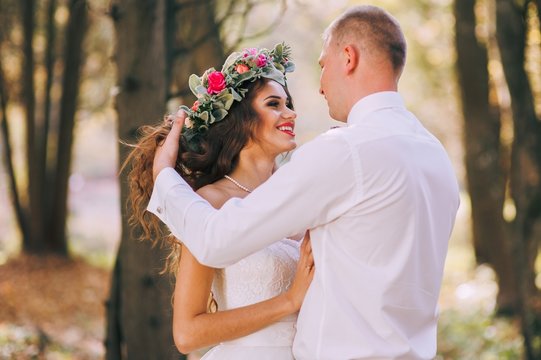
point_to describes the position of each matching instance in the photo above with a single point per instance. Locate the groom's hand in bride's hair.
(305, 274)
(167, 151)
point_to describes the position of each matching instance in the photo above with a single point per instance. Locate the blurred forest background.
(79, 76)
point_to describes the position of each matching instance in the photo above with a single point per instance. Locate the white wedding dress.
(256, 278)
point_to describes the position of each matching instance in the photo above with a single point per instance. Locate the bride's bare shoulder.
(215, 194)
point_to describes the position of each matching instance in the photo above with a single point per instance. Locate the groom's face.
(330, 79)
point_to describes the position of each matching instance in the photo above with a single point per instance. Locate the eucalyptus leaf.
(218, 105)
(204, 116)
(245, 76)
(219, 114)
(204, 78)
(278, 50)
(229, 102)
(242, 92)
(290, 67)
(231, 60)
(186, 109)
(275, 75)
(224, 95)
(226, 100)
(279, 67)
(200, 89)
(194, 81)
(236, 95)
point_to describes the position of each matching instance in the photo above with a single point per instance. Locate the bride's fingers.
(176, 124)
(306, 249)
(167, 151)
(170, 144)
(307, 260)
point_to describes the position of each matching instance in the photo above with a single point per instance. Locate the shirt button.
(159, 209)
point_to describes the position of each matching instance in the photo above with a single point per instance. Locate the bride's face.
(275, 132)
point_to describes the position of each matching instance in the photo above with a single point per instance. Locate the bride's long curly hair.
(210, 156)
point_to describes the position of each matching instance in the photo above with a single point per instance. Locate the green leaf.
(290, 67)
(245, 76)
(278, 50)
(204, 78)
(200, 89)
(226, 99)
(194, 81)
(275, 75)
(230, 60)
(203, 128)
(279, 67)
(185, 108)
(286, 50)
(222, 95)
(236, 95)
(204, 116)
(229, 102)
(219, 114)
(242, 92)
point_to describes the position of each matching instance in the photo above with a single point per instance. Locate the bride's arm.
(194, 328)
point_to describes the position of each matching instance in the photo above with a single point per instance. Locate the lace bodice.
(258, 277)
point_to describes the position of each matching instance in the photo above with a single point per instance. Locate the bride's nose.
(289, 114)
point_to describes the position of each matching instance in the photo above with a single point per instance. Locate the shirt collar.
(374, 102)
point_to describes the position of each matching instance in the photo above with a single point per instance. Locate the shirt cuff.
(165, 181)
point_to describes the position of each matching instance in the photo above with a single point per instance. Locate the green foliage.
(24, 342)
(476, 334)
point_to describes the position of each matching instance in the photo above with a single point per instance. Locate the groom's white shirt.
(380, 198)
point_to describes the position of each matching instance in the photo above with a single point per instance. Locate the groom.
(379, 196)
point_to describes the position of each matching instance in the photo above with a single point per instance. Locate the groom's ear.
(351, 58)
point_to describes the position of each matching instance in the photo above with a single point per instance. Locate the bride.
(243, 119)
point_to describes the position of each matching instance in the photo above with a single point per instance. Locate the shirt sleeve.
(315, 187)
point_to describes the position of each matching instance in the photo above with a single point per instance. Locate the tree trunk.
(525, 166)
(139, 313)
(77, 24)
(43, 146)
(197, 47)
(31, 243)
(7, 151)
(7, 158)
(485, 173)
(150, 71)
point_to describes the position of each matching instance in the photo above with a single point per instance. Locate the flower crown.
(216, 90)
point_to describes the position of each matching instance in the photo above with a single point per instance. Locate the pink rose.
(242, 68)
(216, 81)
(195, 105)
(261, 60)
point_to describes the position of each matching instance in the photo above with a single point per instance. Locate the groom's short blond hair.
(374, 30)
